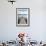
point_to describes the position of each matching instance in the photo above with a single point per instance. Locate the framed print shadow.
(22, 17)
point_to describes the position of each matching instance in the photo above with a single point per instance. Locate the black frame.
(28, 18)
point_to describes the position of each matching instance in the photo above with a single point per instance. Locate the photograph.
(22, 16)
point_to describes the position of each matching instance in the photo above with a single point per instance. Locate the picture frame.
(22, 17)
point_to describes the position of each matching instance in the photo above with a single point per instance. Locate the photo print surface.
(22, 17)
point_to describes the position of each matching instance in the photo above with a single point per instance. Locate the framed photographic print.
(22, 16)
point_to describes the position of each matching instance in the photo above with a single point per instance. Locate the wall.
(37, 29)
